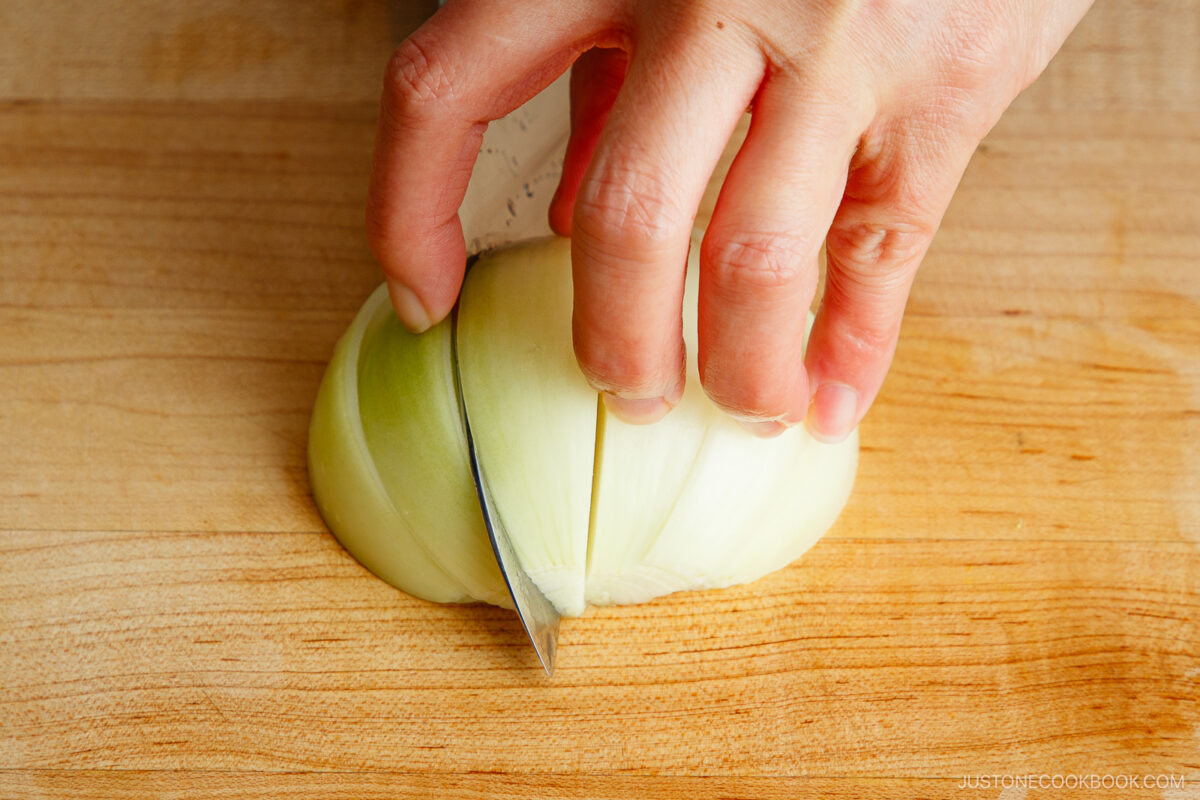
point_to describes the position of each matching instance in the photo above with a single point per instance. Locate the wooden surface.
(1013, 589)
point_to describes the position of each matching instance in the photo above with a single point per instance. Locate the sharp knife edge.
(538, 615)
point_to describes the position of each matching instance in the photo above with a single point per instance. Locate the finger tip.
(833, 412)
(825, 437)
(409, 308)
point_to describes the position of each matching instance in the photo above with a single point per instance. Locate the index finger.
(469, 64)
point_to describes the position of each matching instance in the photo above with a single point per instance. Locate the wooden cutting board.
(1014, 588)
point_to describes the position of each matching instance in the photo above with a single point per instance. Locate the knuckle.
(627, 368)
(877, 254)
(746, 398)
(759, 260)
(631, 208)
(628, 376)
(415, 79)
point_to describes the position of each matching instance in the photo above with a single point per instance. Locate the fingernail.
(763, 429)
(639, 410)
(409, 308)
(834, 410)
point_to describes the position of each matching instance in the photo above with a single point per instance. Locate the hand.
(865, 115)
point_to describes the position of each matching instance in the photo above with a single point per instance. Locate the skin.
(865, 114)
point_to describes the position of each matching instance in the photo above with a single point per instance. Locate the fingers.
(893, 205)
(634, 211)
(470, 63)
(759, 256)
(595, 80)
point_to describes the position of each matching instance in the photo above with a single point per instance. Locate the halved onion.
(600, 511)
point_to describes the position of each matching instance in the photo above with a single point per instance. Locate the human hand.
(865, 115)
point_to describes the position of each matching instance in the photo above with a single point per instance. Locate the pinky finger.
(891, 210)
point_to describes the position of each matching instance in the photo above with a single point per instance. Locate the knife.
(507, 200)
(538, 615)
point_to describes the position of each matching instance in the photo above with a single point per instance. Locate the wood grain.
(273, 651)
(331, 50)
(1013, 589)
(50, 784)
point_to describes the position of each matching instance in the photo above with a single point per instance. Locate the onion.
(600, 511)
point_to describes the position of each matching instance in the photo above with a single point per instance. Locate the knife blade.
(538, 615)
(507, 200)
